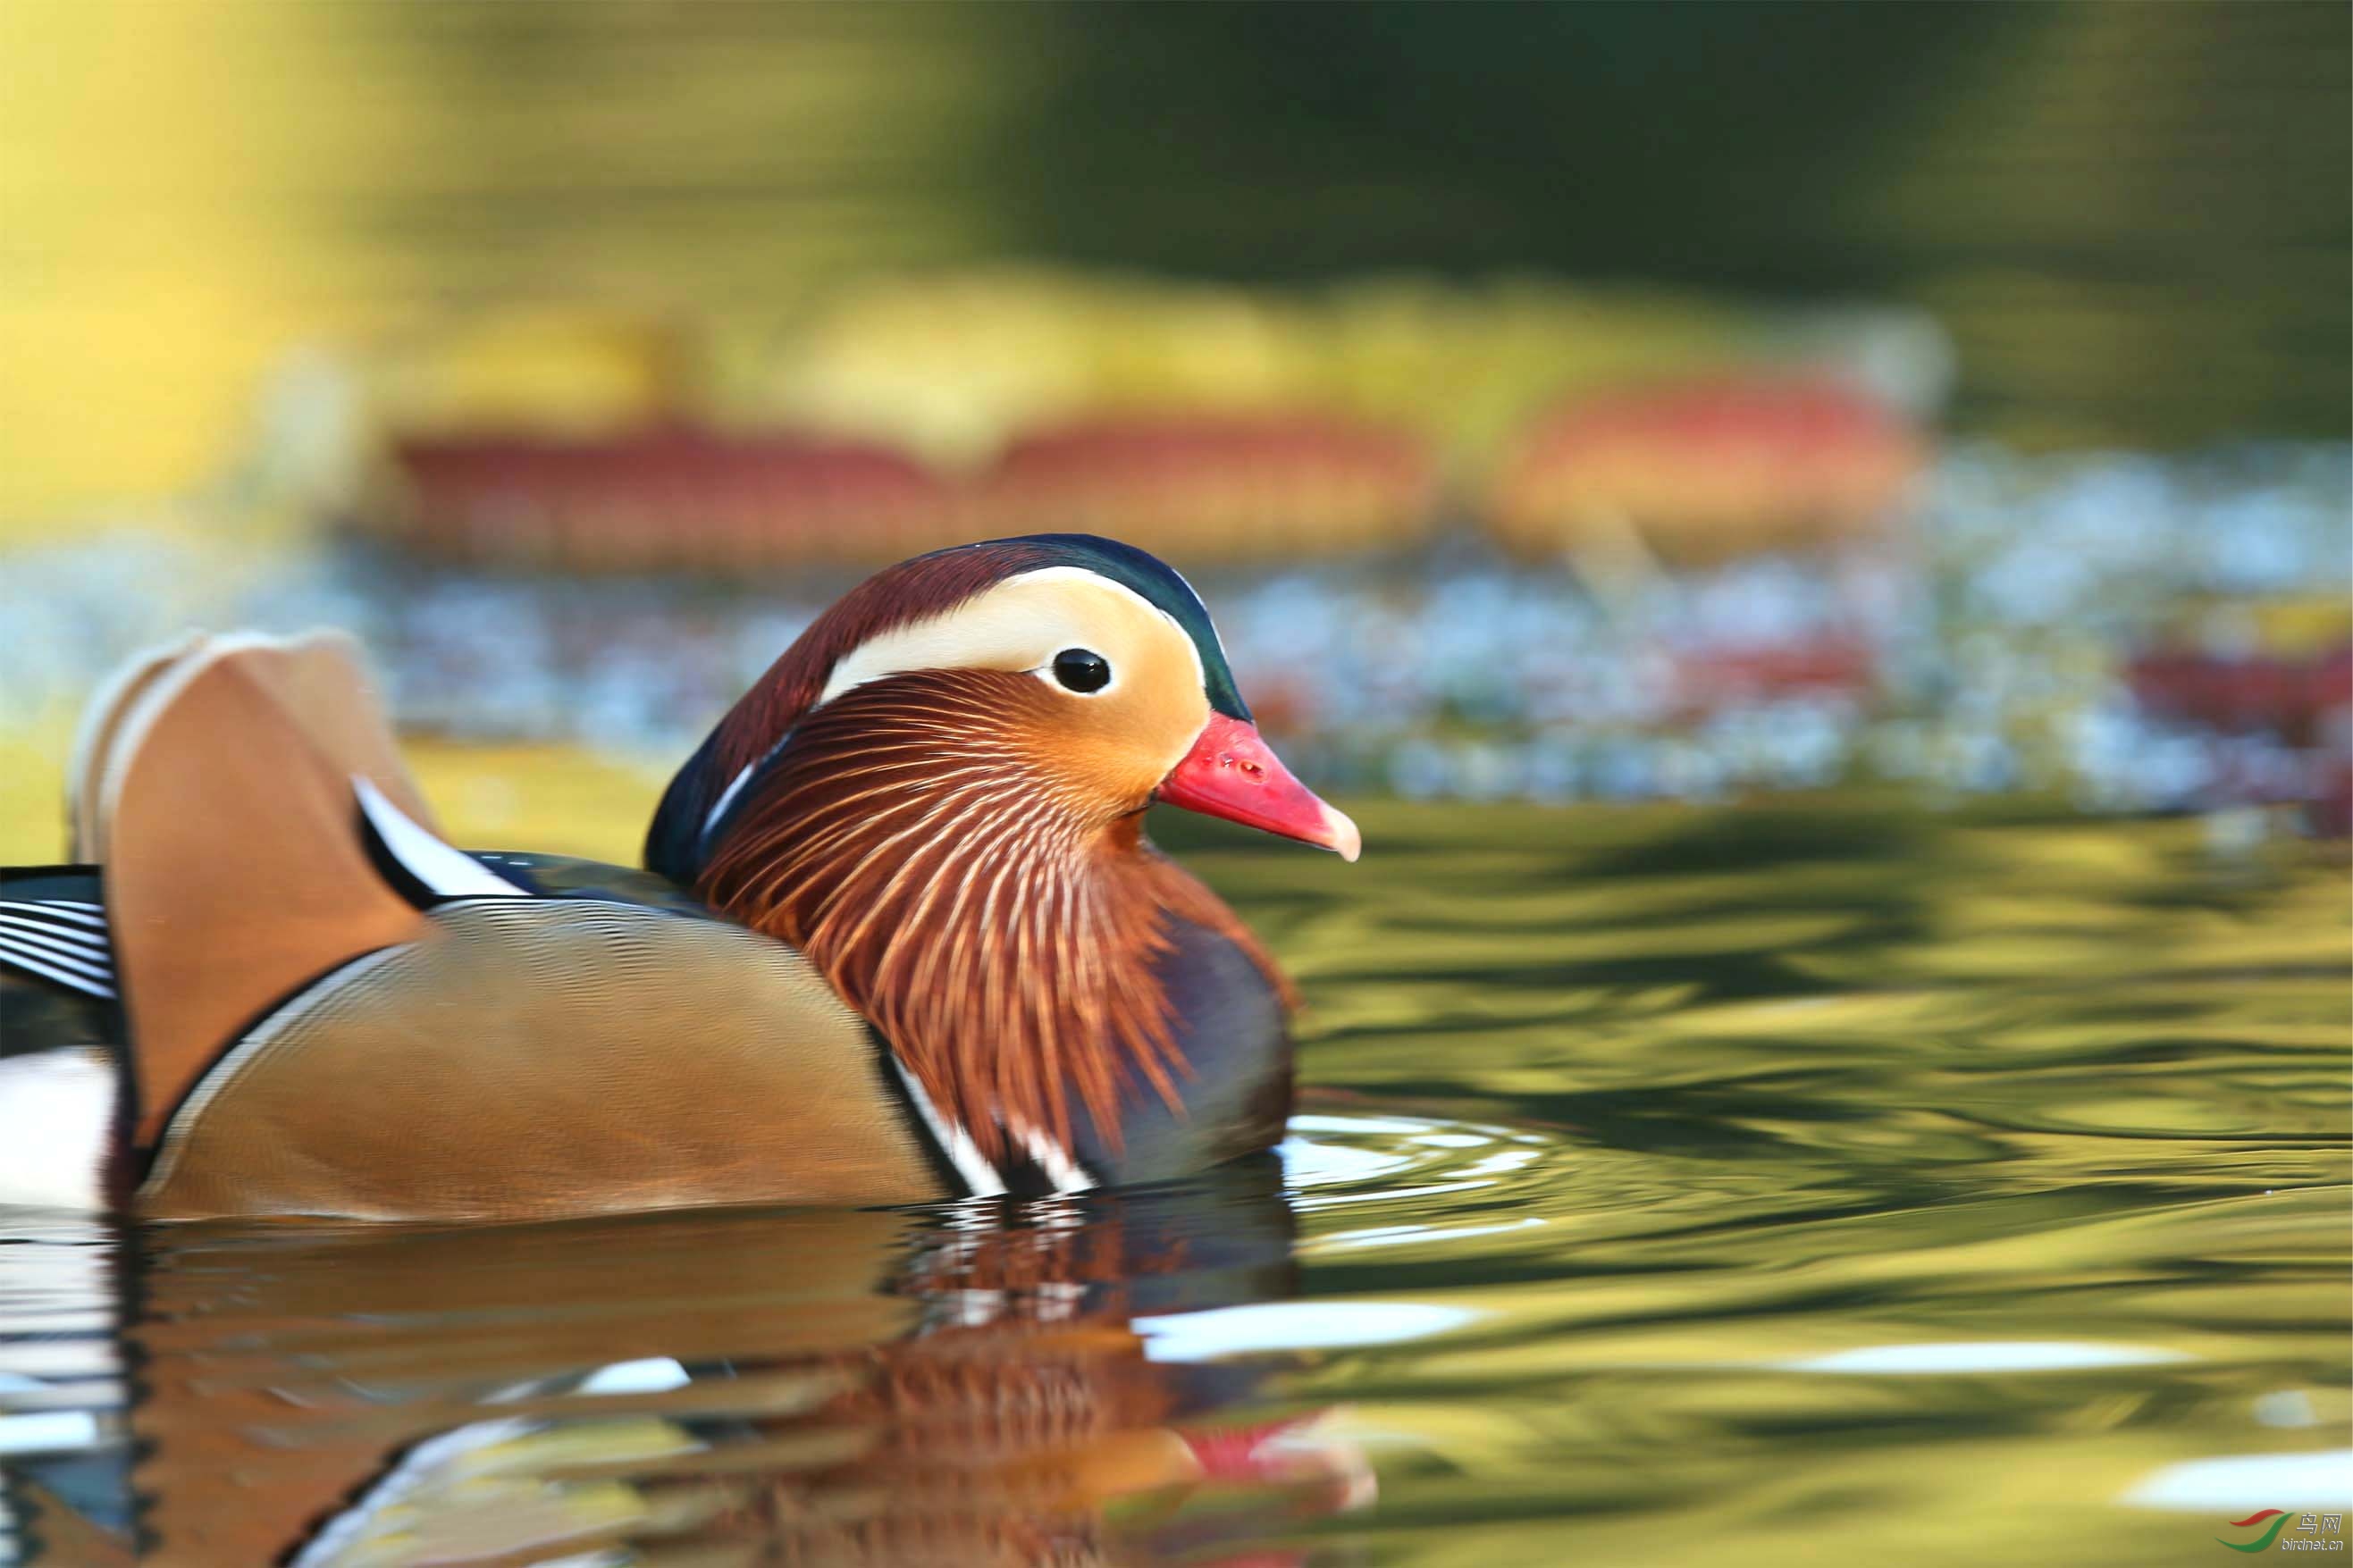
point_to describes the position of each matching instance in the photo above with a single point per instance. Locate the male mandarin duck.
(900, 935)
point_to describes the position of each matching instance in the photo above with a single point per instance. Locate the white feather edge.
(979, 1174)
(88, 839)
(450, 872)
(985, 1180)
(199, 655)
(1067, 1174)
(223, 1072)
(735, 787)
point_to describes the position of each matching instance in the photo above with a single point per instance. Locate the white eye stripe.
(991, 630)
(1080, 573)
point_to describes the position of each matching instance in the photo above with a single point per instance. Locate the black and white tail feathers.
(60, 1073)
(60, 940)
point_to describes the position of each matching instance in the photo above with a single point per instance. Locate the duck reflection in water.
(970, 1384)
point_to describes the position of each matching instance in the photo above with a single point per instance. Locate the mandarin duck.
(899, 937)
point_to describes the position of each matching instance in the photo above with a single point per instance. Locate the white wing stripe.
(448, 872)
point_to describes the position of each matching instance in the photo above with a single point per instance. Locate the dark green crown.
(1157, 582)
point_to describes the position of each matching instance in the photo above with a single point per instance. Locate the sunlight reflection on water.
(1825, 1241)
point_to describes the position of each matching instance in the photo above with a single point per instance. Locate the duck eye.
(1082, 670)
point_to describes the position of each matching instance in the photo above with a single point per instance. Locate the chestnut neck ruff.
(980, 912)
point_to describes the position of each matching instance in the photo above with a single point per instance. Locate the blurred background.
(1859, 496)
(1554, 402)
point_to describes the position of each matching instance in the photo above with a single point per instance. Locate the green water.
(1828, 1183)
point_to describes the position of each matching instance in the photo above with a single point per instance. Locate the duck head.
(936, 793)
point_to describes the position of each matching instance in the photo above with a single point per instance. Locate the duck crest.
(1000, 938)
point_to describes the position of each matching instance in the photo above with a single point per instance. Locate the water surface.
(1832, 1182)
